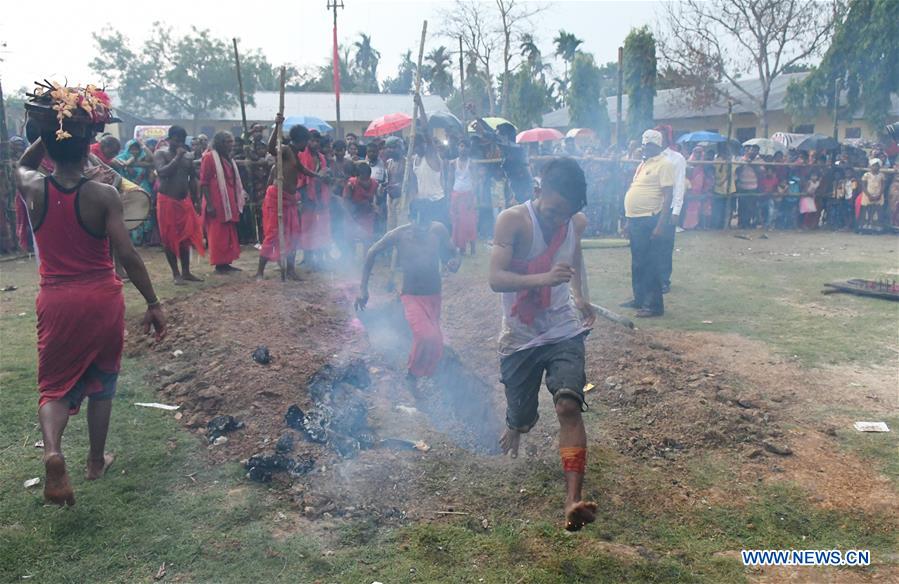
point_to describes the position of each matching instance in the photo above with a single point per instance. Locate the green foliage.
(193, 75)
(365, 65)
(639, 79)
(405, 76)
(438, 72)
(527, 98)
(863, 59)
(567, 45)
(587, 105)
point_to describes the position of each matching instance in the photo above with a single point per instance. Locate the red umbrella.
(539, 135)
(388, 124)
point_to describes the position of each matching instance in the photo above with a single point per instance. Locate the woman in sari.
(136, 164)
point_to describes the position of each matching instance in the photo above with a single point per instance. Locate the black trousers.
(668, 232)
(646, 263)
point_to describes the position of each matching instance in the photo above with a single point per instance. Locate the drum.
(135, 204)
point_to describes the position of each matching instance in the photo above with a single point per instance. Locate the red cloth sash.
(529, 302)
(179, 224)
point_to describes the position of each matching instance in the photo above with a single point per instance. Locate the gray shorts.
(522, 373)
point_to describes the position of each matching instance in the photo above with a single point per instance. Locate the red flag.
(336, 63)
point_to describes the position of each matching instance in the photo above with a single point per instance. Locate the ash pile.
(338, 419)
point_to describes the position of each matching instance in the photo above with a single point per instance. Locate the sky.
(296, 32)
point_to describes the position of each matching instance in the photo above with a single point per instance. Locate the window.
(744, 134)
(804, 129)
(852, 133)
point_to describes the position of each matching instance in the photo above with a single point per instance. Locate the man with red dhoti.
(463, 207)
(421, 248)
(293, 169)
(315, 215)
(80, 305)
(223, 201)
(536, 253)
(180, 227)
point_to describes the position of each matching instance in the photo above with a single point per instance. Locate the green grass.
(759, 290)
(222, 529)
(880, 448)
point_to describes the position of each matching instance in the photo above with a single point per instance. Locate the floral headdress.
(87, 107)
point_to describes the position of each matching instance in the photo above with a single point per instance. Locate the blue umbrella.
(701, 137)
(311, 123)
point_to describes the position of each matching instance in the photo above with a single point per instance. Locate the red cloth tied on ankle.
(529, 302)
(574, 459)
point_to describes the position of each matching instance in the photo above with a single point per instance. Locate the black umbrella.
(818, 143)
(445, 120)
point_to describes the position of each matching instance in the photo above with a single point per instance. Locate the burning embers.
(338, 418)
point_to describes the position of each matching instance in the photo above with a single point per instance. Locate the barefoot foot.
(57, 489)
(188, 277)
(292, 275)
(509, 442)
(579, 514)
(98, 468)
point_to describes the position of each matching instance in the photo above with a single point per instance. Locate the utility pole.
(836, 108)
(334, 5)
(462, 79)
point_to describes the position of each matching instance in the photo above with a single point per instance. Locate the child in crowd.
(807, 202)
(768, 206)
(360, 196)
(872, 196)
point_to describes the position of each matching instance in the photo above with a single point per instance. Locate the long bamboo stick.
(407, 172)
(279, 161)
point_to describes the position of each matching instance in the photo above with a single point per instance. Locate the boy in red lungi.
(80, 305)
(422, 246)
(360, 194)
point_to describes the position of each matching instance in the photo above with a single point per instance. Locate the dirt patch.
(661, 399)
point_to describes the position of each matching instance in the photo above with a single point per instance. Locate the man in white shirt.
(677, 202)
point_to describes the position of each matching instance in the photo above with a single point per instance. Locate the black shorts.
(522, 373)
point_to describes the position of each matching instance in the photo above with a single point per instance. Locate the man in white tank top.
(537, 265)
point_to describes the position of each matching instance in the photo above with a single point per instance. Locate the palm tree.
(440, 80)
(366, 62)
(566, 47)
(529, 51)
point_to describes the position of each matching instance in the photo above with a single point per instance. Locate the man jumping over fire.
(422, 246)
(537, 265)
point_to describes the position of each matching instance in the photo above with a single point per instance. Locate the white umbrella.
(766, 146)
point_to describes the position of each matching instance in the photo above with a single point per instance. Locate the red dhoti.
(179, 224)
(271, 245)
(80, 334)
(464, 216)
(221, 236)
(423, 316)
(315, 227)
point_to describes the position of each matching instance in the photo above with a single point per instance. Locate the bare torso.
(418, 254)
(175, 184)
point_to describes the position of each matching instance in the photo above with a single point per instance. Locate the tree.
(862, 59)
(714, 43)
(365, 64)
(587, 106)
(471, 21)
(405, 76)
(513, 16)
(566, 47)
(530, 52)
(528, 94)
(193, 75)
(438, 72)
(639, 79)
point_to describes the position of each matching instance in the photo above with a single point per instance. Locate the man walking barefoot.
(537, 265)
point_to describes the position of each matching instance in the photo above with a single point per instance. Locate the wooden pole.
(462, 80)
(836, 108)
(335, 57)
(246, 132)
(243, 107)
(407, 172)
(729, 201)
(618, 113)
(279, 161)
